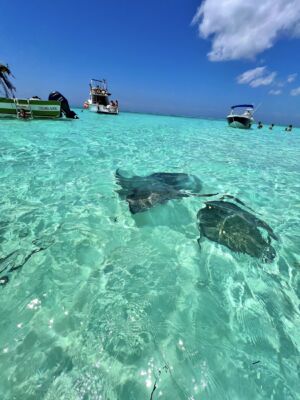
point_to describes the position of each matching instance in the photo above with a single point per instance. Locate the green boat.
(29, 108)
(55, 107)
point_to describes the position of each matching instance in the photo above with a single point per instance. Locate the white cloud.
(243, 29)
(248, 76)
(257, 77)
(264, 80)
(275, 92)
(291, 78)
(296, 91)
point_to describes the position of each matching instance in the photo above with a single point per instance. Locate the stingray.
(145, 192)
(17, 259)
(239, 230)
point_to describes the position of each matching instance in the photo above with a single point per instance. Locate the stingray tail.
(203, 195)
(224, 196)
(229, 196)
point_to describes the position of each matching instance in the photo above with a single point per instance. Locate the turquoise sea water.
(116, 302)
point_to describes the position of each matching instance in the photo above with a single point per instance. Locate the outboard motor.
(64, 104)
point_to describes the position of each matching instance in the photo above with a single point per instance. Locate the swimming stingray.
(145, 192)
(16, 259)
(242, 232)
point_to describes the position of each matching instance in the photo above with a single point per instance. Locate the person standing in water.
(260, 125)
(271, 126)
(289, 128)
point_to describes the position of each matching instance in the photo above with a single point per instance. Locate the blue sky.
(153, 56)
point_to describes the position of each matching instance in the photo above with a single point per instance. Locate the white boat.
(99, 101)
(243, 120)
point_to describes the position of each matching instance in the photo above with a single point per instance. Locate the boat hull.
(237, 121)
(99, 109)
(46, 109)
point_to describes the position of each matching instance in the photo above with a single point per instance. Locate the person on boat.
(117, 103)
(22, 113)
(260, 125)
(271, 126)
(112, 103)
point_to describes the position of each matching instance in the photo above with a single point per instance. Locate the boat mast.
(105, 85)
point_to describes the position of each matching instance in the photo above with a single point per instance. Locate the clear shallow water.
(116, 302)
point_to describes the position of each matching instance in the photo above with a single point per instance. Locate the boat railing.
(99, 91)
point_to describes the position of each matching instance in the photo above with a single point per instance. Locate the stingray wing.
(264, 225)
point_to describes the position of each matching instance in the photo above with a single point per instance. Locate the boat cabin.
(99, 93)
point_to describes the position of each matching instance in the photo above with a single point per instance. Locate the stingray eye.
(209, 207)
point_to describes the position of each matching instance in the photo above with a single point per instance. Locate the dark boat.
(242, 121)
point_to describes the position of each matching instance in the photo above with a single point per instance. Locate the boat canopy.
(99, 84)
(243, 105)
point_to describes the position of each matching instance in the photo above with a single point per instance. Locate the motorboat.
(242, 120)
(55, 107)
(99, 101)
(34, 108)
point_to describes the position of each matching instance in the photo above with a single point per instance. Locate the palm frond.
(5, 83)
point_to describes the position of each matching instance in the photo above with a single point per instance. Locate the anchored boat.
(55, 107)
(99, 99)
(243, 120)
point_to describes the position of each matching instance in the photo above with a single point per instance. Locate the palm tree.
(5, 83)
